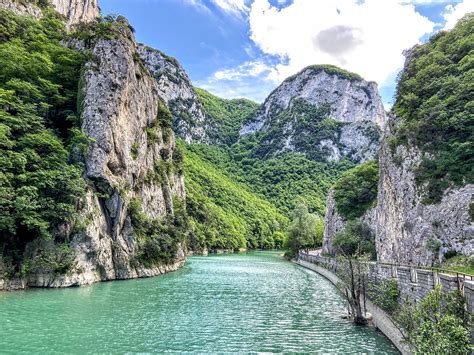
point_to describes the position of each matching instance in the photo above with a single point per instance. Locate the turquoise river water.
(255, 302)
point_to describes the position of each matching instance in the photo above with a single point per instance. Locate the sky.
(246, 48)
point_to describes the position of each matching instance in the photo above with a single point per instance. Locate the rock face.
(352, 103)
(175, 87)
(409, 231)
(21, 8)
(334, 223)
(77, 11)
(120, 112)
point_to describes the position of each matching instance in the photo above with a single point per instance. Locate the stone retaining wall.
(414, 284)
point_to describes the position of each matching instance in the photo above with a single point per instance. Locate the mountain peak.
(324, 112)
(328, 69)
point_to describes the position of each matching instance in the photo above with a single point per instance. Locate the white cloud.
(454, 12)
(364, 37)
(248, 69)
(232, 6)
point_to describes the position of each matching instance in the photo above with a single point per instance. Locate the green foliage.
(56, 259)
(357, 240)
(385, 295)
(305, 230)
(224, 116)
(224, 213)
(282, 180)
(460, 263)
(164, 118)
(160, 238)
(434, 102)
(355, 192)
(134, 151)
(39, 188)
(330, 69)
(439, 324)
(104, 28)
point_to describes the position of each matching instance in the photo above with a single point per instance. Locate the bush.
(385, 295)
(356, 240)
(439, 324)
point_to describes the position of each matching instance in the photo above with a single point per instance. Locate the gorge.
(114, 166)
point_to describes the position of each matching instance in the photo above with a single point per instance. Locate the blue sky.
(245, 48)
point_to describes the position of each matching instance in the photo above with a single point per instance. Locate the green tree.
(355, 245)
(356, 240)
(439, 324)
(355, 192)
(303, 230)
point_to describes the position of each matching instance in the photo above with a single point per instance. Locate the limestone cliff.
(324, 112)
(75, 11)
(409, 231)
(174, 86)
(133, 176)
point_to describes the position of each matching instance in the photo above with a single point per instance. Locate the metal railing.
(459, 275)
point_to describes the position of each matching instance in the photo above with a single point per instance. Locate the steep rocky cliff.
(75, 11)
(130, 159)
(174, 86)
(324, 112)
(409, 230)
(127, 223)
(425, 202)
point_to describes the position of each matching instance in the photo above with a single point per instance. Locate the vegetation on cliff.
(356, 191)
(330, 69)
(39, 181)
(225, 116)
(434, 102)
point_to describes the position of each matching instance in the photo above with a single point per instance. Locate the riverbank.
(380, 319)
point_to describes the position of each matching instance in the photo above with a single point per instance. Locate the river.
(255, 302)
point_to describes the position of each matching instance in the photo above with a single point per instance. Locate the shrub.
(385, 295)
(439, 324)
(356, 240)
